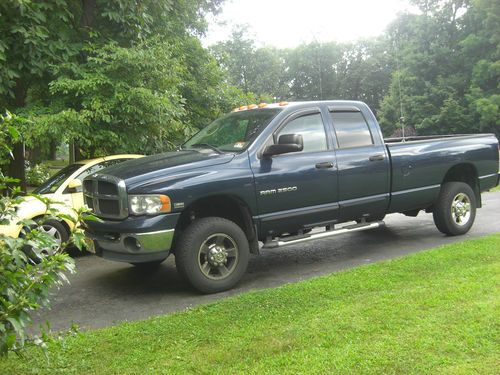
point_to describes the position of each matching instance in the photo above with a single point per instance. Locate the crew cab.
(274, 175)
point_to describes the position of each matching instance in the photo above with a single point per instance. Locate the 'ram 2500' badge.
(279, 190)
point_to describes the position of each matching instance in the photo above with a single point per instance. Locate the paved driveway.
(103, 293)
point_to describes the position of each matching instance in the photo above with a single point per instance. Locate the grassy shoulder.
(432, 312)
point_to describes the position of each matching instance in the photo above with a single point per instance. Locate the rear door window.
(351, 129)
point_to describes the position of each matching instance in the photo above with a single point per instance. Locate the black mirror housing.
(286, 143)
(295, 139)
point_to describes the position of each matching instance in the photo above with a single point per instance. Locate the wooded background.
(132, 76)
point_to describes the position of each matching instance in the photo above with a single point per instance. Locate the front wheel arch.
(194, 246)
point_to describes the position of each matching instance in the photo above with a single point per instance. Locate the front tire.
(455, 210)
(212, 254)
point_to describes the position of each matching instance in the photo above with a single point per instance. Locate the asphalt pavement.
(104, 293)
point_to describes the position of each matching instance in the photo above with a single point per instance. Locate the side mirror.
(286, 143)
(75, 185)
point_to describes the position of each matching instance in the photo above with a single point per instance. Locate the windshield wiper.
(206, 145)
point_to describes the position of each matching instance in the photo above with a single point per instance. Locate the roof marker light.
(282, 104)
(252, 106)
(262, 105)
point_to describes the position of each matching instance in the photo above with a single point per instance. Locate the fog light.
(132, 244)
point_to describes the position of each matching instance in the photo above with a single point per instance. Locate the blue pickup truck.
(280, 174)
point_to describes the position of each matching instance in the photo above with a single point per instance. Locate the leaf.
(16, 325)
(14, 133)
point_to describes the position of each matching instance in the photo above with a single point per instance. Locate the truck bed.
(419, 163)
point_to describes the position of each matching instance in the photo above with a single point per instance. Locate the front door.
(297, 190)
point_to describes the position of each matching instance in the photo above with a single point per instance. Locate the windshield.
(53, 183)
(233, 132)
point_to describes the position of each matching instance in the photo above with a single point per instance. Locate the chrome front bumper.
(133, 247)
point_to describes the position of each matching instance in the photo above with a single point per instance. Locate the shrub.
(24, 283)
(37, 174)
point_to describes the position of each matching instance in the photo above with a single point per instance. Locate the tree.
(448, 74)
(258, 72)
(312, 71)
(47, 41)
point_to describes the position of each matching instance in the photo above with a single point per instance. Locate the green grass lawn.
(433, 312)
(55, 165)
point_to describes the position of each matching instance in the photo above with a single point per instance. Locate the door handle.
(326, 164)
(377, 157)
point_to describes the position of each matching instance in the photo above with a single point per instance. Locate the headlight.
(149, 204)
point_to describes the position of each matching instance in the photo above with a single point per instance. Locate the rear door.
(298, 189)
(363, 165)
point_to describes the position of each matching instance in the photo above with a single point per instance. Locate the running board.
(325, 234)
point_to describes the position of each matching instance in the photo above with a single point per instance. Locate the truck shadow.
(270, 268)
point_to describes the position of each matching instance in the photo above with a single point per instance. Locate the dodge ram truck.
(273, 175)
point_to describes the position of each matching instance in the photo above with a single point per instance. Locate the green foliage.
(449, 69)
(24, 283)
(8, 135)
(110, 75)
(121, 91)
(314, 71)
(37, 174)
(34, 35)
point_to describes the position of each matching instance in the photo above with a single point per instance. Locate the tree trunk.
(53, 151)
(71, 151)
(88, 12)
(34, 154)
(16, 166)
(78, 153)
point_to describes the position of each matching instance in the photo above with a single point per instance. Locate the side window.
(351, 129)
(312, 130)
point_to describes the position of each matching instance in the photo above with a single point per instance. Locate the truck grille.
(106, 196)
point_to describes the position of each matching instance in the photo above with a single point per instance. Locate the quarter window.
(312, 130)
(351, 129)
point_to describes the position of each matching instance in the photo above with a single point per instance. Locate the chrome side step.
(328, 233)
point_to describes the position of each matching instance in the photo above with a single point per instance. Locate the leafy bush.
(37, 174)
(24, 283)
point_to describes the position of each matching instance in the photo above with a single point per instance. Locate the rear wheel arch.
(466, 173)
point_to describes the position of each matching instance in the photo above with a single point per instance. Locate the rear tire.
(455, 210)
(212, 254)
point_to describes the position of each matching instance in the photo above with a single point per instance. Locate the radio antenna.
(401, 113)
